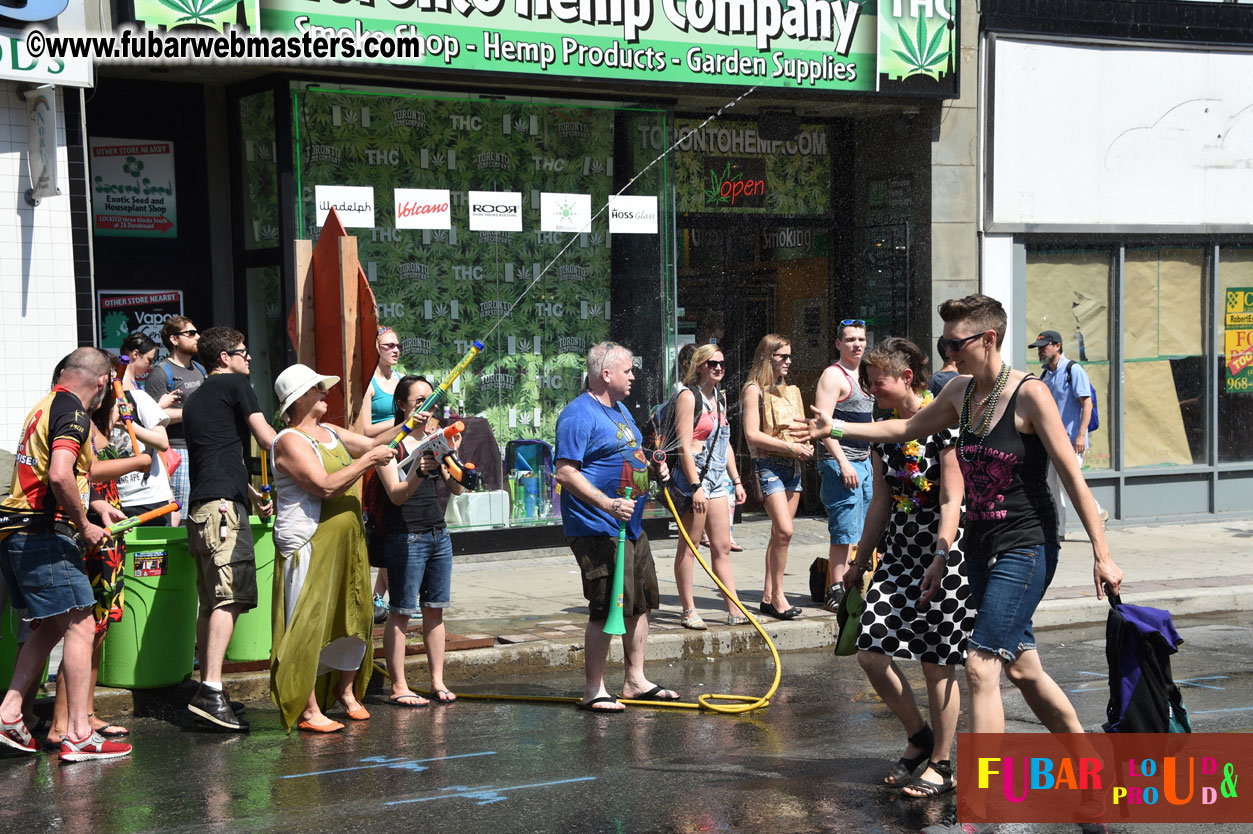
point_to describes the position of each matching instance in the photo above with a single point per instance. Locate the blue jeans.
(846, 508)
(419, 568)
(45, 573)
(1006, 595)
(777, 474)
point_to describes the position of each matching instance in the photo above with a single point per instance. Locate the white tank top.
(297, 511)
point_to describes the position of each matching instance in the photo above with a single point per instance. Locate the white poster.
(632, 215)
(495, 211)
(41, 142)
(353, 203)
(132, 188)
(565, 212)
(422, 208)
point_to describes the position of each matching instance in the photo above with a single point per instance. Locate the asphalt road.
(811, 762)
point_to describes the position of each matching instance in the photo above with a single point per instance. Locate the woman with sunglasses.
(321, 618)
(375, 417)
(769, 403)
(1009, 433)
(705, 464)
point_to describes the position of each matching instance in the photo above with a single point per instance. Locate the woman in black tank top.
(1009, 424)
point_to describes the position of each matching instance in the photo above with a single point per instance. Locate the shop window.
(267, 332)
(1235, 379)
(442, 288)
(258, 153)
(1070, 292)
(1164, 369)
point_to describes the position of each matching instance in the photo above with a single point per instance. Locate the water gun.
(265, 477)
(128, 414)
(143, 518)
(411, 422)
(440, 444)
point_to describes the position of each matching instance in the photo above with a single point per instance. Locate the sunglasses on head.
(951, 345)
(853, 323)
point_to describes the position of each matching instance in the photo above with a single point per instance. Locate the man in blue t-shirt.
(1072, 391)
(596, 437)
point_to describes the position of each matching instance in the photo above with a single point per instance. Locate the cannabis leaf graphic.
(115, 330)
(597, 239)
(921, 54)
(198, 11)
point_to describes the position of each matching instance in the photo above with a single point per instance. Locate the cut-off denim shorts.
(45, 573)
(419, 570)
(1006, 593)
(778, 474)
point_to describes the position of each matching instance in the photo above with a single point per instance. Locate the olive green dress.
(334, 607)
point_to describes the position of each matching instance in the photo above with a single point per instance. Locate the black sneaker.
(381, 610)
(835, 595)
(213, 707)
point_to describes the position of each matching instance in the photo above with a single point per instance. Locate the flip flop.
(113, 731)
(441, 700)
(653, 694)
(399, 700)
(590, 706)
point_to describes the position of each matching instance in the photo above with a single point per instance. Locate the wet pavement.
(810, 762)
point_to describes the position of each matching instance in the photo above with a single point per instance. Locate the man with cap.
(1072, 391)
(217, 419)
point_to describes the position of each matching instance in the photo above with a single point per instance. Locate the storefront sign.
(423, 208)
(890, 46)
(1238, 340)
(633, 215)
(353, 203)
(211, 14)
(734, 182)
(565, 212)
(495, 211)
(16, 64)
(122, 312)
(132, 188)
(41, 143)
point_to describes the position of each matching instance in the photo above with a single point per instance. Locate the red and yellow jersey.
(58, 421)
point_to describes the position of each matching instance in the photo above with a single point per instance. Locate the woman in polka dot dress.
(918, 605)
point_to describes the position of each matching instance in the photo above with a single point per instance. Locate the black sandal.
(904, 768)
(929, 790)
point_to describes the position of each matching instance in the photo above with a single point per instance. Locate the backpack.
(1143, 697)
(169, 374)
(1094, 422)
(374, 502)
(659, 431)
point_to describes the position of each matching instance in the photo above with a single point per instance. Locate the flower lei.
(911, 473)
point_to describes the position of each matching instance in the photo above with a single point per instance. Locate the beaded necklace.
(985, 425)
(911, 474)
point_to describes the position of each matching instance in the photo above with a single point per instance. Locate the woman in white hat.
(323, 619)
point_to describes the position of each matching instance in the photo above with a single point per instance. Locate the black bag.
(1143, 697)
(659, 431)
(373, 504)
(818, 580)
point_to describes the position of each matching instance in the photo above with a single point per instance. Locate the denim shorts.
(778, 474)
(1006, 595)
(419, 569)
(45, 573)
(846, 508)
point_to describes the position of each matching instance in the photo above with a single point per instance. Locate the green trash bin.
(254, 630)
(154, 644)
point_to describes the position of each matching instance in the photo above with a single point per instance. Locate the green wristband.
(837, 428)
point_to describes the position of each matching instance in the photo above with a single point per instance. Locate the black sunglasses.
(190, 332)
(238, 352)
(952, 345)
(715, 363)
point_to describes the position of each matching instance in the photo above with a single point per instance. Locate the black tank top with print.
(1008, 503)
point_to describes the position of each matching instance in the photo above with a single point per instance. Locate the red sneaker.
(16, 735)
(94, 746)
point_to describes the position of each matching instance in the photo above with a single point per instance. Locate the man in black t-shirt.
(217, 419)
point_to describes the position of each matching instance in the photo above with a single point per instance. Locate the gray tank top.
(857, 407)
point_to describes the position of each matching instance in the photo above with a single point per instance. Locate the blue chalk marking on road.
(1193, 682)
(486, 794)
(394, 763)
(1091, 674)
(1228, 709)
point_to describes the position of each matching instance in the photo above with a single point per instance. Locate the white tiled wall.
(37, 310)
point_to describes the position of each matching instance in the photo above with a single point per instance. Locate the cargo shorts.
(226, 568)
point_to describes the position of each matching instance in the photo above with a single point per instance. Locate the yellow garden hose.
(714, 702)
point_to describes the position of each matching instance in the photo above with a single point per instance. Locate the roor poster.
(441, 289)
(121, 312)
(888, 46)
(132, 188)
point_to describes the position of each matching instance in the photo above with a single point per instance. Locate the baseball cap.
(1046, 337)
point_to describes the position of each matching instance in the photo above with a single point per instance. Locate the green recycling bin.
(254, 630)
(10, 622)
(154, 644)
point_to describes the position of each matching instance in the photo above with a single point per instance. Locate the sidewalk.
(527, 615)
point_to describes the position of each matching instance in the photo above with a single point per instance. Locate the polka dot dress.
(893, 624)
